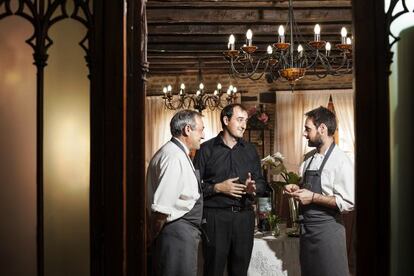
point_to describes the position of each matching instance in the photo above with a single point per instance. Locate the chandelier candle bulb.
(249, 36)
(281, 32)
(300, 50)
(234, 90)
(328, 48)
(348, 41)
(269, 50)
(232, 40)
(343, 35)
(317, 31)
(164, 90)
(219, 86)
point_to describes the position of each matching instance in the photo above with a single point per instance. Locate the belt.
(234, 209)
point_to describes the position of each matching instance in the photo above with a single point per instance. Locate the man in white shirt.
(326, 191)
(174, 193)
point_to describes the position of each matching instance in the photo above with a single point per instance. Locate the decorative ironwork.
(200, 100)
(84, 6)
(7, 10)
(390, 18)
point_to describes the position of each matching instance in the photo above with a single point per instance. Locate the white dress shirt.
(337, 177)
(172, 184)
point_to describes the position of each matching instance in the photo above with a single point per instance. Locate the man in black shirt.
(231, 174)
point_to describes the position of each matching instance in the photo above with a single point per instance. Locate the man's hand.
(290, 188)
(230, 187)
(304, 196)
(157, 222)
(250, 185)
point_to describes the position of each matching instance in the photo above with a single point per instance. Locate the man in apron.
(326, 191)
(175, 198)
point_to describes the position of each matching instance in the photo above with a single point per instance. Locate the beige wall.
(17, 149)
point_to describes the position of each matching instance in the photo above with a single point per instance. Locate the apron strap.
(326, 157)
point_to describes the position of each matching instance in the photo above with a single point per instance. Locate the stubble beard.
(317, 143)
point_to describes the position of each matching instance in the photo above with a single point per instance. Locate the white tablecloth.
(275, 256)
(271, 256)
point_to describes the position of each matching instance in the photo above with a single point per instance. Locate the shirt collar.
(187, 151)
(218, 140)
(322, 154)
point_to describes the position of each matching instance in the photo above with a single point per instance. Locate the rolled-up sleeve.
(169, 186)
(344, 187)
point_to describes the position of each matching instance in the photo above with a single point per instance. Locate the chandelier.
(200, 100)
(291, 59)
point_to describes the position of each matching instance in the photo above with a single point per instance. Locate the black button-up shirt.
(217, 163)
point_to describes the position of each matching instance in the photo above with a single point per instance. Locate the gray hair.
(181, 119)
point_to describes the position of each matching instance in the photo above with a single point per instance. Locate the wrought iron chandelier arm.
(245, 75)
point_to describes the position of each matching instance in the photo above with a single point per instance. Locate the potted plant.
(274, 222)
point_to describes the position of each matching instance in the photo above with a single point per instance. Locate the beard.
(317, 142)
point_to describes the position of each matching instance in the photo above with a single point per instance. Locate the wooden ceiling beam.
(182, 32)
(205, 40)
(212, 46)
(240, 29)
(239, 4)
(224, 16)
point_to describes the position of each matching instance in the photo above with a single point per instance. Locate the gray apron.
(322, 238)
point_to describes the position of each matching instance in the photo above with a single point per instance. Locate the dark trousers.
(230, 240)
(175, 250)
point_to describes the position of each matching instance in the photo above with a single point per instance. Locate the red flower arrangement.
(258, 118)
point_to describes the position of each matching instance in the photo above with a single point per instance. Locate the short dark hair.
(181, 119)
(322, 115)
(228, 112)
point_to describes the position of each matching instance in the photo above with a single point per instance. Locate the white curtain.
(343, 101)
(157, 125)
(290, 118)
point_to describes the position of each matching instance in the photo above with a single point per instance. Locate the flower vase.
(276, 230)
(294, 212)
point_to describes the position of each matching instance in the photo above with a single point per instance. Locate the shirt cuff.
(162, 209)
(209, 190)
(343, 206)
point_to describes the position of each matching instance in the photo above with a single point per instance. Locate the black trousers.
(230, 240)
(175, 250)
